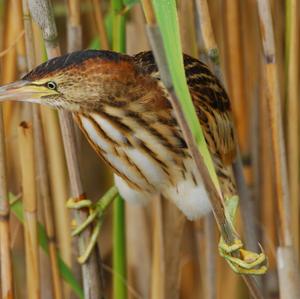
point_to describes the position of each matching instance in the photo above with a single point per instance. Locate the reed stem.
(5, 250)
(119, 238)
(27, 158)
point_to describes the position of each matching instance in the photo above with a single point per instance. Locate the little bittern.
(124, 111)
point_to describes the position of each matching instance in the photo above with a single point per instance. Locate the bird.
(124, 110)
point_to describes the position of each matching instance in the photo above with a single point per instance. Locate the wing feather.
(211, 103)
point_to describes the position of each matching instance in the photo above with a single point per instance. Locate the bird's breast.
(129, 154)
(144, 165)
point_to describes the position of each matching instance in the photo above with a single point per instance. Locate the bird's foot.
(248, 262)
(96, 213)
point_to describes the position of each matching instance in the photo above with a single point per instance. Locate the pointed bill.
(22, 90)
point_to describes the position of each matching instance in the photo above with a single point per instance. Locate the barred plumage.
(123, 109)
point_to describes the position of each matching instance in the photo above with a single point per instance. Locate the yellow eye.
(51, 85)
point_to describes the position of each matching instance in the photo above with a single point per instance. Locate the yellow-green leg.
(96, 213)
(246, 262)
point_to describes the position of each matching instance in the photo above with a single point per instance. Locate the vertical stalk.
(100, 24)
(41, 162)
(158, 271)
(6, 271)
(5, 251)
(235, 72)
(119, 250)
(119, 239)
(30, 210)
(292, 43)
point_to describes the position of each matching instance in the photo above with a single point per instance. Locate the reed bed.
(152, 251)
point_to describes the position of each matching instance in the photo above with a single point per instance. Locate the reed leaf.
(167, 19)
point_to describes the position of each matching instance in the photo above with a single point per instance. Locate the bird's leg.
(96, 212)
(247, 262)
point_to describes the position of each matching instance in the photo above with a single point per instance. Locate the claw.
(93, 240)
(80, 228)
(248, 262)
(96, 213)
(230, 248)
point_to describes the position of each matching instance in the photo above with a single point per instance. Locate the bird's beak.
(22, 90)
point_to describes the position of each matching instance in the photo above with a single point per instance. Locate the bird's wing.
(210, 100)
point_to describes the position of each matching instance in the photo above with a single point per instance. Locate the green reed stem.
(119, 238)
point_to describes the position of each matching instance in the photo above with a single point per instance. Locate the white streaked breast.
(94, 135)
(109, 129)
(129, 171)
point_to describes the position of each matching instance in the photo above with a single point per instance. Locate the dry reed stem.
(208, 37)
(149, 12)
(158, 271)
(6, 270)
(42, 171)
(138, 248)
(74, 26)
(5, 250)
(45, 196)
(293, 118)
(100, 24)
(43, 14)
(58, 179)
(286, 262)
(27, 159)
(210, 287)
(266, 183)
(9, 70)
(275, 120)
(186, 11)
(173, 224)
(235, 72)
(75, 44)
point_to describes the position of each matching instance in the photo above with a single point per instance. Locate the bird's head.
(75, 81)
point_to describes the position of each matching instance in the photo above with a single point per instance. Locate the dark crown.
(72, 59)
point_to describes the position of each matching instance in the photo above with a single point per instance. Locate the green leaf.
(17, 208)
(119, 238)
(166, 14)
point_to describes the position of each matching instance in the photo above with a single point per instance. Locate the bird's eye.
(51, 85)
